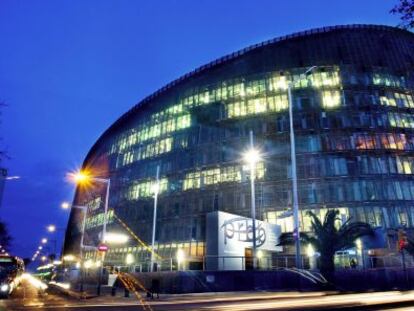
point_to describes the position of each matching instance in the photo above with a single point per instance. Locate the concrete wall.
(200, 281)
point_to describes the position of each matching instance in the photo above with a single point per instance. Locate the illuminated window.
(196, 180)
(257, 105)
(256, 87)
(278, 103)
(331, 99)
(145, 189)
(98, 219)
(324, 78)
(278, 83)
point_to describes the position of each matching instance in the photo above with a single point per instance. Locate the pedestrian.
(155, 288)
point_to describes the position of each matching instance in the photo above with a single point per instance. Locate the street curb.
(70, 293)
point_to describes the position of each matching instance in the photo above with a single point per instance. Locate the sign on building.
(228, 236)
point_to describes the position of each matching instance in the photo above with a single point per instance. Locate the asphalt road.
(28, 298)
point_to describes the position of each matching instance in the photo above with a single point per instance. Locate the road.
(28, 298)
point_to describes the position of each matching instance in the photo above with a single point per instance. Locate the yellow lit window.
(331, 99)
(278, 102)
(407, 167)
(278, 83)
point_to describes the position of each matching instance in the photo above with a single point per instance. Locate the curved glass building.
(354, 127)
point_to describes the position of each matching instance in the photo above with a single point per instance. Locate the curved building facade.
(354, 127)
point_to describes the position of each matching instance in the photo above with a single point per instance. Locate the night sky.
(68, 69)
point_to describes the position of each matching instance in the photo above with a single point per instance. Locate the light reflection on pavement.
(28, 298)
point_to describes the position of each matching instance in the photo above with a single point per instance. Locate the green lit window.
(196, 180)
(255, 88)
(146, 189)
(98, 219)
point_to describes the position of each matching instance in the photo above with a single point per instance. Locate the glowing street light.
(43, 258)
(84, 177)
(81, 177)
(88, 264)
(40, 247)
(129, 260)
(252, 156)
(65, 205)
(180, 257)
(51, 228)
(44, 241)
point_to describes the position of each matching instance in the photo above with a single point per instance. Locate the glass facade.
(354, 126)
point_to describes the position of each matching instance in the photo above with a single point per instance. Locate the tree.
(328, 237)
(51, 257)
(27, 261)
(5, 238)
(405, 8)
(3, 154)
(409, 246)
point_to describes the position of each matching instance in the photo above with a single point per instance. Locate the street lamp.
(156, 190)
(180, 258)
(251, 157)
(296, 225)
(44, 241)
(51, 228)
(84, 209)
(65, 205)
(83, 177)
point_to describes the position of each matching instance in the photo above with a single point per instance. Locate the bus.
(11, 269)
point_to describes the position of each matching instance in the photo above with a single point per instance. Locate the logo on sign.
(241, 229)
(103, 248)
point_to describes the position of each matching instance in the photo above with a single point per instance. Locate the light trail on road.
(391, 300)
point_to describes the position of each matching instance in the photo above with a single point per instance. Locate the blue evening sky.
(69, 68)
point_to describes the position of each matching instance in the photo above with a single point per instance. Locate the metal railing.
(208, 263)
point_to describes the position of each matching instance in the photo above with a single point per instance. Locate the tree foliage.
(405, 8)
(328, 237)
(409, 246)
(3, 154)
(5, 238)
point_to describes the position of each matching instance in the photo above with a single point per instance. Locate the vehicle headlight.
(4, 288)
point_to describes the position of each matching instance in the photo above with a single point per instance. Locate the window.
(331, 99)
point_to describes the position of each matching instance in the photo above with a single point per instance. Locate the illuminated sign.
(103, 248)
(241, 229)
(228, 237)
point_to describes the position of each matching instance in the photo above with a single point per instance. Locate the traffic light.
(402, 240)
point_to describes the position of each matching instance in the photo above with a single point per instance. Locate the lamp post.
(154, 221)
(53, 229)
(252, 157)
(83, 177)
(296, 224)
(84, 209)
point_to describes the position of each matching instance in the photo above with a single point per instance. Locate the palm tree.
(327, 237)
(409, 246)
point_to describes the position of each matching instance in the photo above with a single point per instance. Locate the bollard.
(113, 291)
(126, 293)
